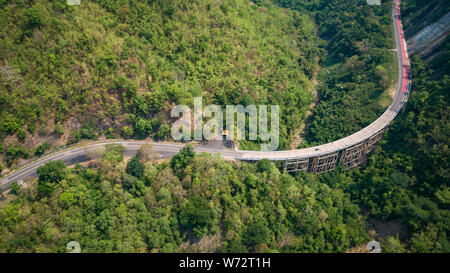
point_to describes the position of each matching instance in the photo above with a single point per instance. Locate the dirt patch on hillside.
(384, 229)
(377, 230)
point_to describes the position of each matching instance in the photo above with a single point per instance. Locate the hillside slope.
(116, 68)
(202, 203)
(358, 68)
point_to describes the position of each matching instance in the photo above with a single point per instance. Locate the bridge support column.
(353, 156)
(370, 142)
(297, 164)
(356, 155)
(324, 163)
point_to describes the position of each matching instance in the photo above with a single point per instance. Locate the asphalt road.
(78, 155)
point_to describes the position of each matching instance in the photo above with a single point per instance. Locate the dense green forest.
(358, 69)
(408, 176)
(203, 203)
(194, 203)
(116, 68)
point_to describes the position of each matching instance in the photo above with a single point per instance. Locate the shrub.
(197, 215)
(135, 168)
(257, 233)
(33, 18)
(181, 160)
(14, 187)
(114, 153)
(40, 150)
(50, 174)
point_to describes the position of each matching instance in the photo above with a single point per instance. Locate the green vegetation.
(122, 75)
(135, 168)
(40, 150)
(14, 187)
(420, 13)
(408, 177)
(116, 68)
(215, 206)
(358, 68)
(201, 203)
(180, 161)
(12, 153)
(49, 176)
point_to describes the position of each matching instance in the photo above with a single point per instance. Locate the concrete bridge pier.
(324, 163)
(295, 165)
(353, 156)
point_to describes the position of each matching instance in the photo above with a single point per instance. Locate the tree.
(67, 198)
(135, 167)
(127, 131)
(257, 233)
(15, 188)
(426, 240)
(50, 174)
(10, 214)
(143, 127)
(113, 153)
(14, 152)
(163, 132)
(150, 173)
(264, 165)
(146, 153)
(197, 215)
(234, 246)
(33, 18)
(392, 245)
(21, 135)
(133, 185)
(52, 171)
(40, 150)
(181, 160)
